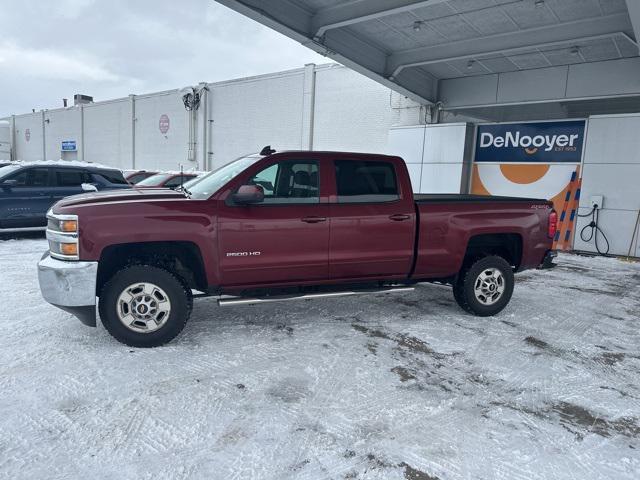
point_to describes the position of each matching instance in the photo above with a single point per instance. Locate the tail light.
(553, 224)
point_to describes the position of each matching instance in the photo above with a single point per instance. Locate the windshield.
(206, 186)
(192, 181)
(7, 169)
(154, 180)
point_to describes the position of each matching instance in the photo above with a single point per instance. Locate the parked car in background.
(27, 190)
(4, 163)
(135, 176)
(293, 225)
(168, 180)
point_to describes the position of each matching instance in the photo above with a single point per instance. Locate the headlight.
(62, 234)
(69, 226)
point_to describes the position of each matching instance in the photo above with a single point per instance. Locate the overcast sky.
(50, 50)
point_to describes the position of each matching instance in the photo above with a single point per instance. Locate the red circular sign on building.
(27, 134)
(164, 123)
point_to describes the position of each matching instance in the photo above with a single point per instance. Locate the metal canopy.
(416, 47)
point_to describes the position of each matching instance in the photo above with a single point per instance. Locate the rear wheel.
(144, 306)
(485, 287)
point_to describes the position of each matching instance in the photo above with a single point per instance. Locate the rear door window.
(71, 178)
(361, 181)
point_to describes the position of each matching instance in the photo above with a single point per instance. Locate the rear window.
(112, 176)
(366, 182)
(137, 177)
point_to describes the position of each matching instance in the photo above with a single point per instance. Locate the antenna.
(267, 150)
(181, 177)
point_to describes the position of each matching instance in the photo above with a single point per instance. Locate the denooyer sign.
(530, 142)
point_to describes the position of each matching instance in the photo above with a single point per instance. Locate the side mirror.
(8, 184)
(89, 187)
(248, 194)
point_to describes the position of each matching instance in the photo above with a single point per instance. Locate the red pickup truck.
(282, 226)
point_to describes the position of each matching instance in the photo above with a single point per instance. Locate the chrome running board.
(22, 229)
(232, 301)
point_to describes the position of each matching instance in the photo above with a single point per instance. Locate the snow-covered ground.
(375, 387)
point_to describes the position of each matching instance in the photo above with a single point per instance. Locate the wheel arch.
(183, 258)
(506, 245)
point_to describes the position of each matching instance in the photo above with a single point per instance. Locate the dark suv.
(27, 191)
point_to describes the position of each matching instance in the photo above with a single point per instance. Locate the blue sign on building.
(69, 146)
(543, 142)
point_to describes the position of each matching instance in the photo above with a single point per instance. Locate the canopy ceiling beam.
(522, 40)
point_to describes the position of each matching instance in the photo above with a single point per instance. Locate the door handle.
(314, 219)
(398, 217)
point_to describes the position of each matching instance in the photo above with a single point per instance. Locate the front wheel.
(144, 306)
(485, 287)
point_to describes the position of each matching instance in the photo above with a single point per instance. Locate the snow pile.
(389, 387)
(69, 163)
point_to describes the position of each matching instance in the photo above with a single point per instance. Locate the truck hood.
(127, 195)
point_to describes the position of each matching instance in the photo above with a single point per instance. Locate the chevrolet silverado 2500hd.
(282, 226)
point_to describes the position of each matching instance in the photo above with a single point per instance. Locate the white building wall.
(108, 133)
(28, 137)
(324, 108)
(250, 113)
(435, 155)
(612, 169)
(352, 112)
(5, 140)
(154, 149)
(61, 125)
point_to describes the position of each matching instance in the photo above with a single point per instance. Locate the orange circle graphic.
(519, 173)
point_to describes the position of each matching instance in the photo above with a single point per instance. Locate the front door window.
(289, 181)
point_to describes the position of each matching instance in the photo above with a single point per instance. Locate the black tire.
(176, 290)
(463, 289)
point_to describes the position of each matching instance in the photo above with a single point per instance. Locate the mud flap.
(547, 262)
(86, 315)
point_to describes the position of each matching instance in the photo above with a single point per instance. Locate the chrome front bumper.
(70, 286)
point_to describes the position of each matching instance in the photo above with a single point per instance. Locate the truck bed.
(468, 198)
(447, 223)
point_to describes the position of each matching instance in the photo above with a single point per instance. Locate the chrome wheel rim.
(143, 307)
(489, 286)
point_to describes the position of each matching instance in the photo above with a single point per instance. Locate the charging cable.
(595, 230)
